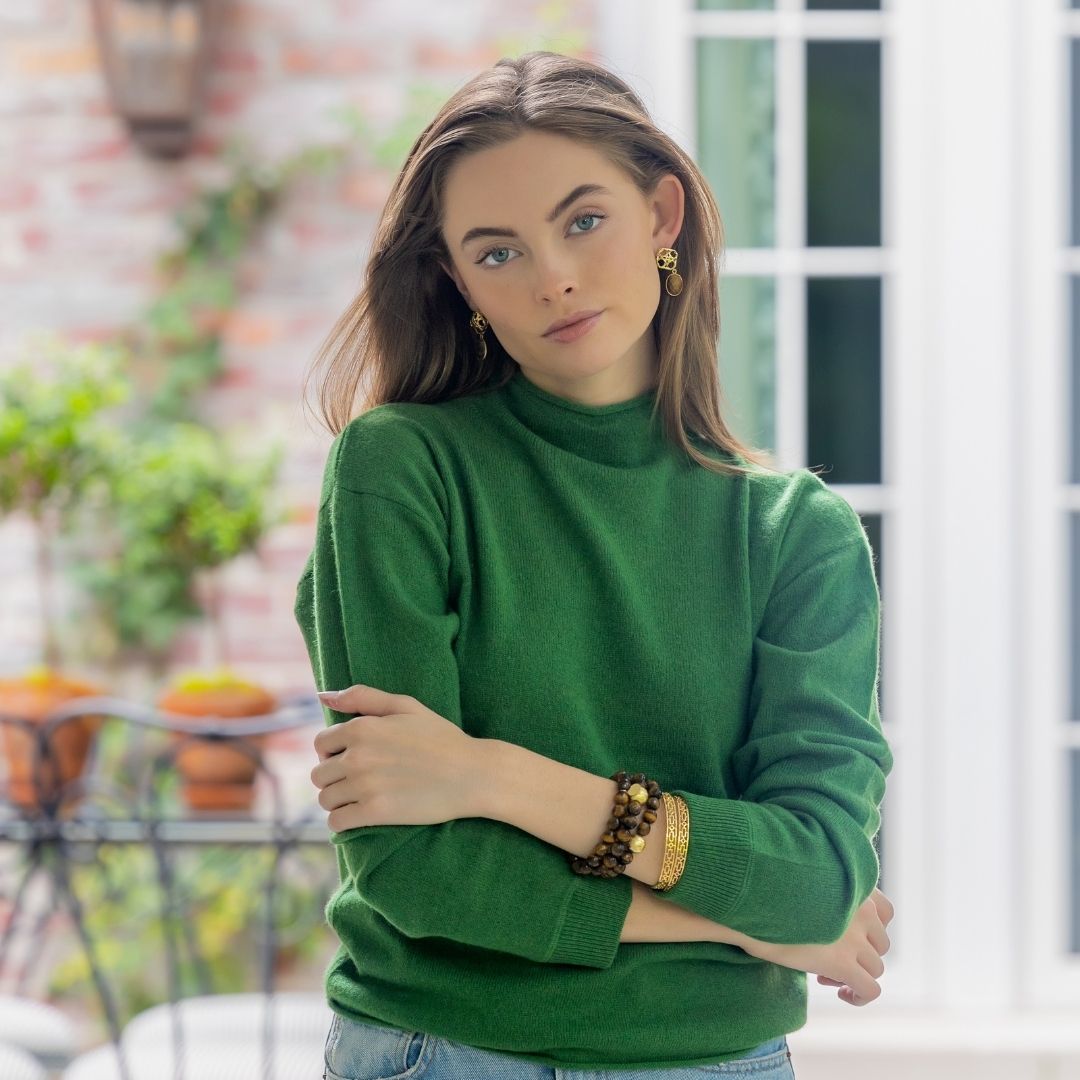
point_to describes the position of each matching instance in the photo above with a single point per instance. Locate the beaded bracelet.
(632, 816)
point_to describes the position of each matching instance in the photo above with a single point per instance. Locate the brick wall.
(83, 213)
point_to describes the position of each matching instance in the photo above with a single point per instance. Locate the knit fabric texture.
(562, 577)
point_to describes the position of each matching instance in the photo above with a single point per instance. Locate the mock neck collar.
(623, 434)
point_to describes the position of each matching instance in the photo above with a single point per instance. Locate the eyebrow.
(560, 206)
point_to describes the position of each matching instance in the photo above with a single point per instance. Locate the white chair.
(39, 1029)
(207, 1061)
(17, 1064)
(222, 1040)
(296, 1017)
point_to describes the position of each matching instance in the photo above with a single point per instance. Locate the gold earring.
(480, 324)
(666, 258)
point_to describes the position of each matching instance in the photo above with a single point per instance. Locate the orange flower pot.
(32, 697)
(213, 774)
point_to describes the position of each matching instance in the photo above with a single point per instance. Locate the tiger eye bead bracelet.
(632, 818)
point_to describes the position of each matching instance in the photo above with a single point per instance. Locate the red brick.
(326, 59)
(434, 54)
(17, 194)
(48, 58)
(248, 328)
(236, 58)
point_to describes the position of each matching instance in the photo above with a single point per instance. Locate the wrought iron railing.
(66, 824)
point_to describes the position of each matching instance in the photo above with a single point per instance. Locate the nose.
(555, 279)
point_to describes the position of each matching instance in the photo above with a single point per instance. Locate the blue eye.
(587, 217)
(494, 250)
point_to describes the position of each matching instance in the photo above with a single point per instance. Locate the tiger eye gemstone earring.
(666, 259)
(480, 324)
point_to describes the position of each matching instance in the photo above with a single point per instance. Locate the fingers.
(879, 939)
(365, 699)
(335, 795)
(870, 962)
(327, 772)
(332, 740)
(866, 992)
(884, 906)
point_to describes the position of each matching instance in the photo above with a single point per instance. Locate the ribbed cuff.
(593, 922)
(718, 858)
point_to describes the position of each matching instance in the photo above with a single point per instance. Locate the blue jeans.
(361, 1051)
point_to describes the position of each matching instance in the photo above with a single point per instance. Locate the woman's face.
(525, 257)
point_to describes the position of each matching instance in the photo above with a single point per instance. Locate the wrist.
(483, 778)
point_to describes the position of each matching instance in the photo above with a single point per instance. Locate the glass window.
(843, 143)
(736, 119)
(872, 524)
(1072, 421)
(736, 5)
(747, 358)
(843, 392)
(1074, 848)
(1074, 627)
(843, 5)
(1074, 136)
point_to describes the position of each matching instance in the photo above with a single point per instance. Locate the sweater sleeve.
(380, 613)
(792, 858)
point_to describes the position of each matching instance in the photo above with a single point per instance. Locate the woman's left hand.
(398, 763)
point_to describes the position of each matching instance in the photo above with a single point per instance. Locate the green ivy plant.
(177, 508)
(58, 444)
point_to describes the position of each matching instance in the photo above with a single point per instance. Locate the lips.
(562, 324)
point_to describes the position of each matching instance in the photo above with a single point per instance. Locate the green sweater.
(561, 577)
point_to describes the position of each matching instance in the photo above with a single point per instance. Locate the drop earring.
(480, 324)
(666, 259)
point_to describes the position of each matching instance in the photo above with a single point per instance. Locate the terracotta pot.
(213, 774)
(32, 697)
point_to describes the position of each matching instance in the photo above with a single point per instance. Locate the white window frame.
(1045, 497)
(974, 112)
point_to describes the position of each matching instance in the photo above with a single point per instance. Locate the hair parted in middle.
(407, 335)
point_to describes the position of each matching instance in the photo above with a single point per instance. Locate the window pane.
(843, 5)
(879, 844)
(872, 525)
(1074, 849)
(748, 358)
(843, 143)
(1074, 131)
(1074, 616)
(843, 344)
(736, 5)
(736, 148)
(1072, 421)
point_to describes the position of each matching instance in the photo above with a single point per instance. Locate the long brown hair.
(406, 336)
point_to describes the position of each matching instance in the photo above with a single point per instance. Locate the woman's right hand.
(853, 962)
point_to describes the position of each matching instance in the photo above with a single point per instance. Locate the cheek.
(630, 254)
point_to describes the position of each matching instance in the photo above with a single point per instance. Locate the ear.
(456, 278)
(667, 203)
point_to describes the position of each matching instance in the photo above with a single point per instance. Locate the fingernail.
(328, 695)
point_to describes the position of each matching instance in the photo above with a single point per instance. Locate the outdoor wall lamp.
(154, 55)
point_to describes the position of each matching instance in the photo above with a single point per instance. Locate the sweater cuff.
(593, 922)
(718, 857)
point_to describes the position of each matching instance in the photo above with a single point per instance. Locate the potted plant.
(54, 447)
(215, 775)
(188, 502)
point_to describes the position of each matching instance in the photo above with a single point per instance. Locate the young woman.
(606, 766)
